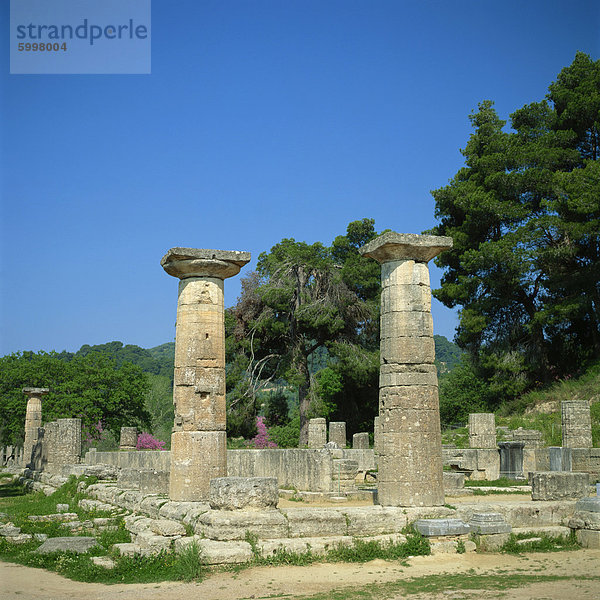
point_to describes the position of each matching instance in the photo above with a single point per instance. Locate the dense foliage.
(92, 387)
(524, 214)
(306, 305)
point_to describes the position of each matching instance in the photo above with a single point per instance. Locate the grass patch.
(477, 492)
(438, 584)
(502, 482)
(360, 551)
(545, 543)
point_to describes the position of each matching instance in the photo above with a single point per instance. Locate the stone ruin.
(225, 494)
(199, 439)
(576, 424)
(410, 460)
(482, 430)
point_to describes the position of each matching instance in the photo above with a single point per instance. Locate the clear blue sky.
(261, 120)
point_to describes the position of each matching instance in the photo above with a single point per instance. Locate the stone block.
(78, 544)
(405, 298)
(316, 545)
(317, 433)
(590, 504)
(559, 485)
(588, 539)
(374, 520)
(167, 528)
(406, 272)
(218, 553)
(407, 350)
(179, 511)
(493, 542)
(128, 438)
(453, 480)
(360, 441)
(225, 525)
(576, 424)
(441, 527)
(243, 493)
(313, 522)
(337, 433)
(489, 523)
(482, 430)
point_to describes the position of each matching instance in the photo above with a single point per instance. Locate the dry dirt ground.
(24, 583)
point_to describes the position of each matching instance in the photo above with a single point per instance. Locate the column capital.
(34, 392)
(405, 246)
(199, 262)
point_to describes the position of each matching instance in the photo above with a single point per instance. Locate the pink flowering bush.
(261, 439)
(147, 441)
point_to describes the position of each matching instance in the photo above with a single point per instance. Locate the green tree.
(297, 303)
(523, 213)
(91, 387)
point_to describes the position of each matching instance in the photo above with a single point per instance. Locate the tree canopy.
(524, 213)
(302, 299)
(91, 387)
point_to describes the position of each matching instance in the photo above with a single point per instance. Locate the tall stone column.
(410, 464)
(33, 420)
(199, 439)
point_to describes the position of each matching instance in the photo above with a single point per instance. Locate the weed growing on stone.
(189, 564)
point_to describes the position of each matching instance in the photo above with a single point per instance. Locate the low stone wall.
(477, 463)
(134, 459)
(310, 470)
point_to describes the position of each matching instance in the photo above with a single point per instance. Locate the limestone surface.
(409, 438)
(198, 443)
(78, 544)
(559, 485)
(317, 433)
(482, 430)
(576, 424)
(243, 493)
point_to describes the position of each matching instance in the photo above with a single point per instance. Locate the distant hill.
(447, 354)
(159, 360)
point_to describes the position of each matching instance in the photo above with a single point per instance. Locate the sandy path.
(23, 583)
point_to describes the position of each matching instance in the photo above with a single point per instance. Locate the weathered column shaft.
(199, 439)
(410, 464)
(33, 420)
(128, 438)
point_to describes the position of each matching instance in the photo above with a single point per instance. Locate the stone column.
(128, 438)
(360, 441)
(317, 433)
(199, 439)
(33, 420)
(410, 465)
(576, 424)
(377, 436)
(337, 433)
(482, 430)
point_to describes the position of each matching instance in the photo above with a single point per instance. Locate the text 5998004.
(42, 47)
